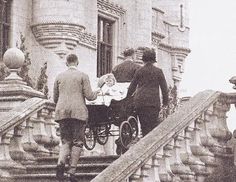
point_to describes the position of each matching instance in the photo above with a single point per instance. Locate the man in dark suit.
(124, 72)
(70, 90)
(146, 84)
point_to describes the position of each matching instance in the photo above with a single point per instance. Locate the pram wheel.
(89, 138)
(102, 134)
(125, 134)
(134, 126)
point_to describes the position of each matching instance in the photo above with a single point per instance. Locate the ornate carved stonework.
(157, 37)
(51, 35)
(170, 48)
(178, 55)
(109, 7)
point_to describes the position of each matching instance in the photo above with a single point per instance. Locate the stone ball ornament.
(14, 58)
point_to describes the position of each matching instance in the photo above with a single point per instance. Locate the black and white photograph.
(117, 91)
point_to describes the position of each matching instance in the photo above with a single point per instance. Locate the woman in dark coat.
(146, 84)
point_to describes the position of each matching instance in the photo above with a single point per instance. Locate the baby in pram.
(110, 89)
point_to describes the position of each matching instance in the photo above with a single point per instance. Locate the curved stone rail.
(26, 131)
(187, 146)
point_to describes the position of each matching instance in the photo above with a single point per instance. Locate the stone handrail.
(27, 132)
(184, 147)
(18, 115)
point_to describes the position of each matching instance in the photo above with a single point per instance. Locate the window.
(104, 49)
(4, 25)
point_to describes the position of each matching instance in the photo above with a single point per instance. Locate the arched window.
(5, 6)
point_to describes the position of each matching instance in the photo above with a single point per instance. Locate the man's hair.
(149, 55)
(128, 52)
(71, 58)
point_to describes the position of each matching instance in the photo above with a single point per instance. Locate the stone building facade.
(98, 31)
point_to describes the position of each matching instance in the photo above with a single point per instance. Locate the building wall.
(55, 28)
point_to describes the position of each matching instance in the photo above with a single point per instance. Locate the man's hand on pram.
(98, 91)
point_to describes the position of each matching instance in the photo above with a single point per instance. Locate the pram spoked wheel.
(125, 134)
(134, 126)
(89, 138)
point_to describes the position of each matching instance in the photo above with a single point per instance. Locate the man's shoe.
(60, 169)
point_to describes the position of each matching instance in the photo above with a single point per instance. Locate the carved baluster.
(165, 170)
(50, 126)
(197, 166)
(16, 146)
(153, 173)
(40, 135)
(219, 129)
(177, 167)
(28, 141)
(135, 177)
(6, 162)
(200, 151)
(209, 120)
(145, 177)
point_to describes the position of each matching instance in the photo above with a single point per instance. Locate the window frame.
(5, 20)
(101, 44)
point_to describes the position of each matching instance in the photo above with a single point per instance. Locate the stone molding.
(174, 49)
(109, 7)
(52, 34)
(157, 37)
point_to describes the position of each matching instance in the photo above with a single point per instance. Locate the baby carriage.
(120, 113)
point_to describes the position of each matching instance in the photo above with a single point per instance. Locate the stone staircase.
(187, 146)
(44, 169)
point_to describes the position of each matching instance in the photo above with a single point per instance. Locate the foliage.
(4, 71)
(42, 80)
(225, 172)
(24, 70)
(172, 105)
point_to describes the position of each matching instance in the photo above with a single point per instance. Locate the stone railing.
(26, 132)
(187, 146)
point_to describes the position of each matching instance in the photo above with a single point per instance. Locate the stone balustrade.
(27, 132)
(187, 146)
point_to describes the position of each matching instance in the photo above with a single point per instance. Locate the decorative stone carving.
(52, 34)
(16, 146)
(28, 141)
(157, 37)
(109, 7)
(233, 81)
(13, 59)
(165, 172)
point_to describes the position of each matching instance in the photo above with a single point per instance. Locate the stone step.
(51, 169)
(82, 159)
(82, 177)
(44, 169)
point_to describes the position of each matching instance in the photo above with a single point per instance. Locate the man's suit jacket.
(70, 90)
(125, 71)
(146, 84)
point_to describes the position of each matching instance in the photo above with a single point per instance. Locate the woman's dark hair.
(128, 52)
(71, 58)
(149, 55)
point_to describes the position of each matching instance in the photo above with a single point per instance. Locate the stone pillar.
(13, 90)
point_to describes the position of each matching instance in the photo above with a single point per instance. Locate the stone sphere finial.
(233, 81)
(14, 58)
